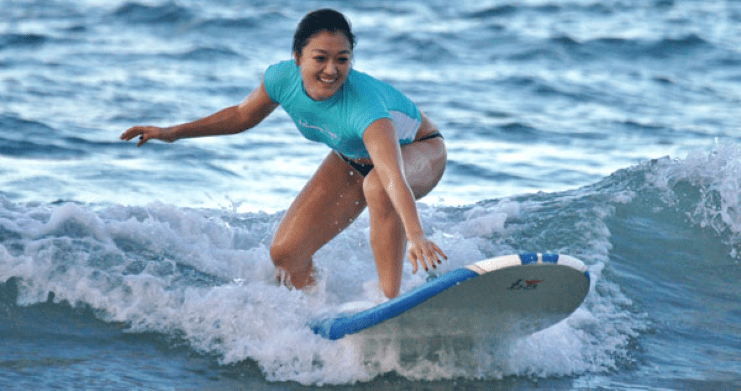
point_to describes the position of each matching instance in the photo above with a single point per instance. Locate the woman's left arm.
(382, 143)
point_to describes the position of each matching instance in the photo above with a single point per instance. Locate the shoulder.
(364, 82)
(373, 93)
(366, 101)
(370, 88)
(365, 90)
(279, 75)
(376, 99)
(283, 67)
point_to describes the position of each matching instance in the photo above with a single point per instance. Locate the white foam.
(715, 176)
(171, 270)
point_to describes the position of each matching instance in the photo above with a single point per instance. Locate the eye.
(343, 60)
(320, 58)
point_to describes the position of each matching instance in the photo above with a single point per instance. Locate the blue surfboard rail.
(532, 258)
(336, 328)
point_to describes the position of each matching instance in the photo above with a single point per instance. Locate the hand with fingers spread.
(425, 252)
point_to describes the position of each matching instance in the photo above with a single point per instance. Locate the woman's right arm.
(235, 119)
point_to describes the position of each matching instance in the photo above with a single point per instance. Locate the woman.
(385, 153)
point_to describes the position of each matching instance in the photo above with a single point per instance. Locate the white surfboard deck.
(507, 296)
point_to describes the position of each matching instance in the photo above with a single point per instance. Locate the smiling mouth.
(327, 80)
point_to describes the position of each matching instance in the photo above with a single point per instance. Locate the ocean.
(606, 130)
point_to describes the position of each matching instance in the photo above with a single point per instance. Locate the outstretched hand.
(425, 252)
(145, 134)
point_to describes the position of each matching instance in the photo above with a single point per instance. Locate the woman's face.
(325, 62)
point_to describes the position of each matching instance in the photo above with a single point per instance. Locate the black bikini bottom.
(365, 169)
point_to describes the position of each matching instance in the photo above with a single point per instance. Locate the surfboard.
(506, 296)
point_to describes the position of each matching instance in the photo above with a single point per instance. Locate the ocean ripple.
(166, 13)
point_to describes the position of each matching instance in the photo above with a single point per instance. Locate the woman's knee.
(425, 165)
(375, 193)
(285, 255)
(294, 269)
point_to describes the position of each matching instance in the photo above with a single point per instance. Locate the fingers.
(131, 133)
(145, 134)
(427, 255)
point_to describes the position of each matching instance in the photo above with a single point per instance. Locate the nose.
(330, 68)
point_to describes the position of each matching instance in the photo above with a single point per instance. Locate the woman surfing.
(386, 153)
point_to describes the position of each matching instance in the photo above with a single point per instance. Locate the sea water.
(605, 130)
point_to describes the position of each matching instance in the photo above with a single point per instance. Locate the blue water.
(606, 130)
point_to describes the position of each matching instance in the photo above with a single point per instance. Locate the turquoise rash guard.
(340, 121)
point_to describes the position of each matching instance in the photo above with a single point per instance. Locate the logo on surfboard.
(523, 284)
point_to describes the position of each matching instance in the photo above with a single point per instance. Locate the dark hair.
(321, 20)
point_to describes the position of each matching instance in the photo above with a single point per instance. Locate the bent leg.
(424, 164)
(329, 202)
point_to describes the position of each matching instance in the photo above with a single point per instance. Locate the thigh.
(329, 202)
(424, 164)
